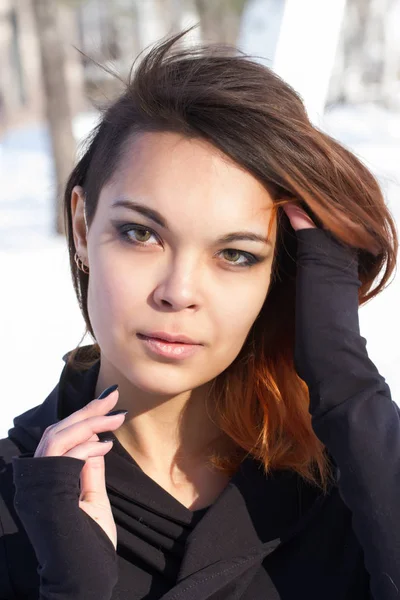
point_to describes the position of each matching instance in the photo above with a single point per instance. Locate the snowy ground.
(39, 316)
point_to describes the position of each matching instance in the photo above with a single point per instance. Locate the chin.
(163, 379)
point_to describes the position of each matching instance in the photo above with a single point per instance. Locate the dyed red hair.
(217, 93)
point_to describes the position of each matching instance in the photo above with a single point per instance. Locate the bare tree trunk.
(366, 63)
(58, 111)
(170, 12)
(209, 20)
(390, 79)
(220, 21)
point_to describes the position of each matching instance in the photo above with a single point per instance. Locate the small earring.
(80, 264)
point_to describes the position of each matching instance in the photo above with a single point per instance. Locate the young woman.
(220, 248)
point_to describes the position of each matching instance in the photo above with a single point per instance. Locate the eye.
(249, 259)
(139, 235)
(135, 234)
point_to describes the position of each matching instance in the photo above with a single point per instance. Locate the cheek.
(117, 307)
(238, 314)
(113, 299)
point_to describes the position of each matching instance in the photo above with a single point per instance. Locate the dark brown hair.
(217, 93)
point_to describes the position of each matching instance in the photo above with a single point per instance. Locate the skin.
(180, 281)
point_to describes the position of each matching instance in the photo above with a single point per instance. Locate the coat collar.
(252, 516)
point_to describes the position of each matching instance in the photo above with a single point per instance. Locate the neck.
(165, 433)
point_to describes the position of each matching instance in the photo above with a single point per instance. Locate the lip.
(167, 349)
(167, 337)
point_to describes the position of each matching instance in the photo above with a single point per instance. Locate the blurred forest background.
(50, 93)
(43, 72)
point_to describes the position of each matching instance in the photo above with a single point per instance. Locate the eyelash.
(123, 230)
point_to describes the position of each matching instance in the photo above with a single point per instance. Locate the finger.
(92, 479)
(61, 442)
(98, 406)
(298, 217)
(89, 449)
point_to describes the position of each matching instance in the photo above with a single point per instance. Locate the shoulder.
(8, 449)
(18, 561)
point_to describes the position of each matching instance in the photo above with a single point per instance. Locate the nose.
(178, 288)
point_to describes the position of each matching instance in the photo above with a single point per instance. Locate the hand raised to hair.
(352, 412)
(327, 325)
(71, 526)
(298, 218)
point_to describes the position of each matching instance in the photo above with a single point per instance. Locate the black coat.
(264, 538)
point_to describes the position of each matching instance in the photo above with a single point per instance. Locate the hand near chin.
(62, 501)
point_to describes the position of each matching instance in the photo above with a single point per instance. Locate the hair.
(217, 93)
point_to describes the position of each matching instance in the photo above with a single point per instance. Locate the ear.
(79, 222)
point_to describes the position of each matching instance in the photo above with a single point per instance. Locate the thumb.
(93, 480)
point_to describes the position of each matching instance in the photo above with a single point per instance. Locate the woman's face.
(158, 261)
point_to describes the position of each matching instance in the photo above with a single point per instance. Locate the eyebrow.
(156, 217)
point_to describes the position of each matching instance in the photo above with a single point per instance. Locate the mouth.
(169, 338)
(167, 348)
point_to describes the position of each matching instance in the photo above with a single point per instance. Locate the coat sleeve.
(77, 560)
(351, 407)
(6, 590)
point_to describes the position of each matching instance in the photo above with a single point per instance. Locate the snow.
(39, 315)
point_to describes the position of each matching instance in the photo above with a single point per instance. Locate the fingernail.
(108, 391)
(105, 440)
(116, 412)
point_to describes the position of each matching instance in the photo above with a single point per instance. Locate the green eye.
(236, 254)
(139, 235)
(248, 259)
(135, 234)
(142, 235)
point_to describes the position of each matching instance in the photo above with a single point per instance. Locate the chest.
(319, 563)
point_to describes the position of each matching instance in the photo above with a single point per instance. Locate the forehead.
(182, 177)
